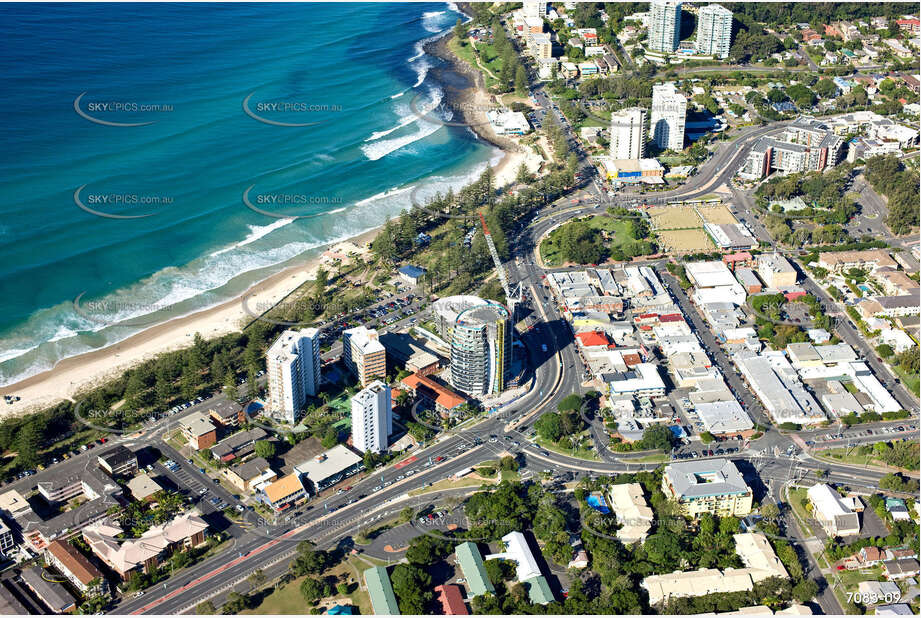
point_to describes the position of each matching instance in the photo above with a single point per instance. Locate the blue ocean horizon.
(135, 112)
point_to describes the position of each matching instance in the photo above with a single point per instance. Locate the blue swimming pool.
(597, 502)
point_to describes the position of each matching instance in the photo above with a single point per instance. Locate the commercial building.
(293, 363)
(118, 461)
(776, 271)
(285, 492)
(714, 283)
(73, 565)
(634, 515)
(733, 236)
(414, 356)
(52, 594)
(643, 380)
(832, 511)
(9, 604)
(669, 110)
(151, 549)
(328, 468)
(481, 349)
(14, 505)
(198, 431)
(714, 31)
(471, 563)
(507, 122)
(445, 401)
(628, 133)
(712, 486)
(372, 418)
(383, 600)
(664, 25)
(778, 387)
(807, 145)
(364, 354)
(725, 418)
(633, 170)
(755, 552)
(748, 279)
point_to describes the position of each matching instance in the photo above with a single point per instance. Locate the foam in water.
(430, 20)
(256, 232)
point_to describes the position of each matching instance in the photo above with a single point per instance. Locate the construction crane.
(513, 297)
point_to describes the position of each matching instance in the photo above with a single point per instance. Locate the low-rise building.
(413, 355)
(643, 380)
(148, 551)
(238, 446)
(731, 235)
(143, 487)
(328, 468)
(760, 563)
(411, 274)
(832, 511)
(73, 565)
(712, 486)
(836, 261)
(198, 430)
(451, 599)
(900, 568)
(471, 564)
(776, 271)
(246, 476)
(634, 515)
(508, 123)
(285, 492)
(445, 400)
(380, 590)
(227, 413)
(725, 418)
(52, 594)
(118, 461)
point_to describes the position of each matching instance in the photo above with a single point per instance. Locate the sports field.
(684, 241)
(673, 217)
(716, 214)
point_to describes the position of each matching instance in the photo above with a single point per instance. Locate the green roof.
(539, 590)
(471, 563)
(383, 601)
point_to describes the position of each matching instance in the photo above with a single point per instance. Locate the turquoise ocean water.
(347, 76)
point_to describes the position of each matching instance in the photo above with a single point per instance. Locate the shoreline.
(71, 376)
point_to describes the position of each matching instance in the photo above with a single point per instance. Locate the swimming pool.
(865, 288)
(597, 502)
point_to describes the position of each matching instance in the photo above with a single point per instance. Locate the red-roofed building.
(912, 25)
(631, 359)
(671, 317)
(451, 599)
(443, 398)
(831, 31)
(792, 295)
(592, 339)
(742, 258)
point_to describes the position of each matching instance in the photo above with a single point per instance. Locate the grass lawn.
(852, 458)
(797, 496)
(448, 484)
(911, 381)
(620, 231)
(580, 453)
(287, 600)
(661, 458)
(468, 54)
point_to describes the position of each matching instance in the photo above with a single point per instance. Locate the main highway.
(556, 373)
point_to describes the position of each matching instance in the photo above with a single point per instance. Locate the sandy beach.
(80, 373)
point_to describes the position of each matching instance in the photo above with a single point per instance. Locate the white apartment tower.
(372, 418)
(666, 124)
(293, 364)
(628, 134)
(535, 10)
(664, 25)
(714, 31)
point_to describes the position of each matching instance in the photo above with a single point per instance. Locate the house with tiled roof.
(76, 567)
